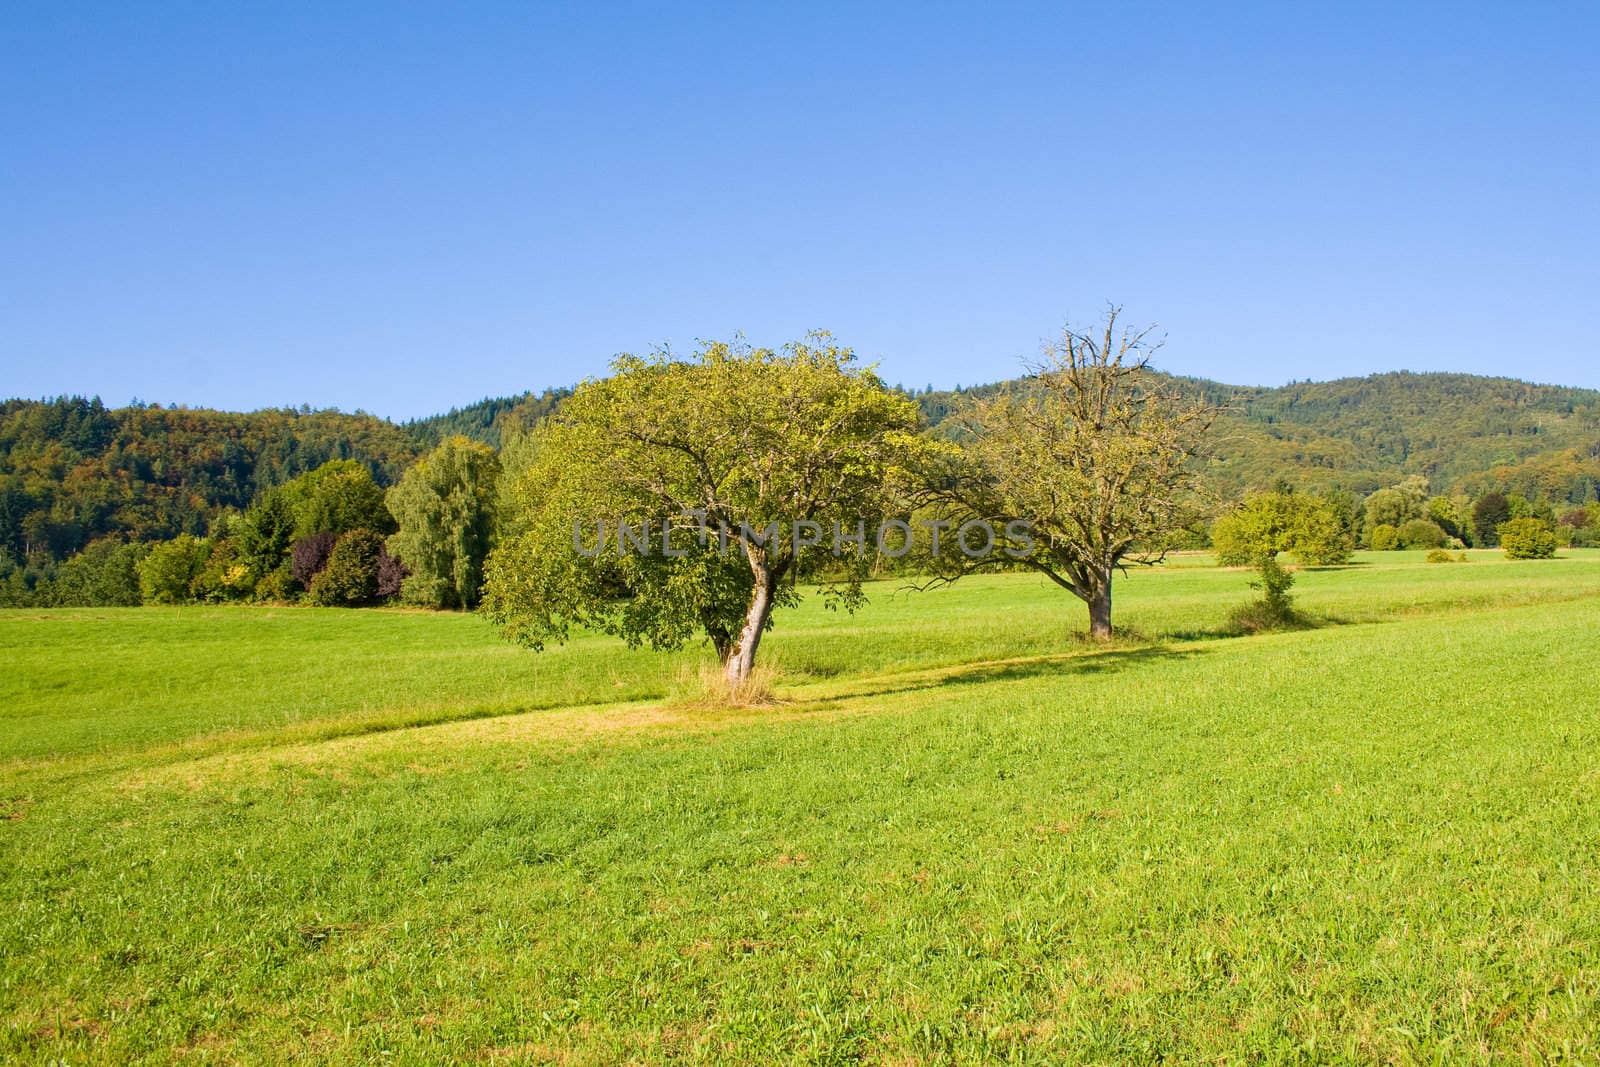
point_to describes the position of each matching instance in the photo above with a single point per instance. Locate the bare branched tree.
(1093, 453)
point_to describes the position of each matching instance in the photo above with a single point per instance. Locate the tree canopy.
(748, 452)
(1093, 454)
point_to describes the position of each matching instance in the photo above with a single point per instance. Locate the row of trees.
(1086, 466)
(331, 536)
(1089, 464)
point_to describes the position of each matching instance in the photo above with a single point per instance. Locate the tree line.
(1106, 461)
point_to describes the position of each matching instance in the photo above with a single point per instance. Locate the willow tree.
(1092, 454)
(445, 507)
(678, 496)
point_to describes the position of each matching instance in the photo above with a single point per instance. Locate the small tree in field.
(759, 449)
(1093, 453)
(1307, 527)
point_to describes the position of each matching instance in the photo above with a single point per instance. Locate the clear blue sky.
(405, 208)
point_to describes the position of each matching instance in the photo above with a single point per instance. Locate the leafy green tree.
(1396, 505)
(1527, 538)
(1093, 453)
(445, 507)
(225, 576)
(266, 532)
(1305, 526)
(350, 578)
(1489, 512)
(1384, 538)
(1444, 513)
(104, 574)
(1420, 533)
(337, 497)
(540, 584)
(167, 574)
(750, 447)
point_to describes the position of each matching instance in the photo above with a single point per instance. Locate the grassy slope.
(1355, 842)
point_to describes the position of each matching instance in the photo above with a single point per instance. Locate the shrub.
(1275, 609)
(278, 586)
(391, 575)
(1439, 555)
(351, 575)
(426, 591)
(1385, 538)
(226, 576)
(1421, 533)
(106, 573)
(310, 555)
(168, 572)
(1527, 539)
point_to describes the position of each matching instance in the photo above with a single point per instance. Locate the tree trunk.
(743, 657)
(1100, 610)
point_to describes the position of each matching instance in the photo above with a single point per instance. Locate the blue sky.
(405, 208)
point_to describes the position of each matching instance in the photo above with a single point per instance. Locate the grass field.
(263, 835)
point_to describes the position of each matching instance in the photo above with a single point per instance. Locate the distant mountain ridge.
(1462, 432)
(72, 470)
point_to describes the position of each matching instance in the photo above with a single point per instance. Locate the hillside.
(1462, 432)
(72, 470)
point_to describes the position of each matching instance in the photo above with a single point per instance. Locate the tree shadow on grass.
(1078, 663)
(1062, 665)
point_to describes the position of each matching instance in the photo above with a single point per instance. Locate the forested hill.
(488, 420)
(1464, 433)
(72, 470)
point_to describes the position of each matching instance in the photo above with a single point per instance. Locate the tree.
(168, 571)
(1442, 511)
(1491, 510)
(309, 555)
(445, 507)
(350, 578)
(337, 497)
(540, 583)
(265, 533)
(1527, 538)
(104, 574)
(1305, 526)
(1092, 453)
(1384, 538)
(746, 452)
(1420, 533)
(1397, 505)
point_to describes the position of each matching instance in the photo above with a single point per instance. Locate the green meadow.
(960, 833)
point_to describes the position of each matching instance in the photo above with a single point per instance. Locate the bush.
(351, 577)
(226, 576)
(278, 586)
(1421, 533)
(1527, 539)
(309, 555)
(1439, 555)
(1275, 609)
(168, 573)
(104, 574)
(1385, 538)
(424, 591)
(391, 575)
